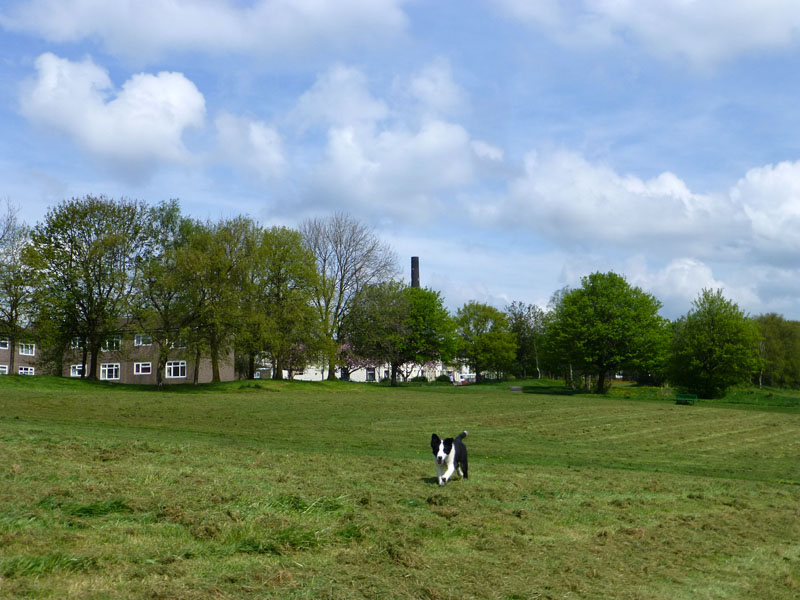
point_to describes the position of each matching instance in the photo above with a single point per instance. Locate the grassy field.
(328, 490)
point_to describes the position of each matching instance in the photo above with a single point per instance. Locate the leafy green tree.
(432, 335)
(278, 317)
(87, 253)
(714, 347)
(397, 324)
(605, 326)
(527, 322)
(486, 343)
(377, 327)
(162, 305)
(780, 351)
(219, 258)
(15, 284)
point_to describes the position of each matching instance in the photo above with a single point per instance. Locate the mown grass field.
(327, 490)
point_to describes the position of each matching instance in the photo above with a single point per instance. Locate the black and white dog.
(451, 453)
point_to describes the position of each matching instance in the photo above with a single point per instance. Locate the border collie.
(452, 453)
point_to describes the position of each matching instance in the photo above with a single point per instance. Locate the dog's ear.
(435, 439)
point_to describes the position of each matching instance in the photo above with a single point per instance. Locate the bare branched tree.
(349, 256)
(8, 222)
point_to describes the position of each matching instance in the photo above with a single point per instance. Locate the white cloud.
(571, 201)
(770, 198)
(142, 30)
(486, 151)
(435, 88)
(340, 98)
(705, 33)
(251, 145)
(133, 128)
(381, 153)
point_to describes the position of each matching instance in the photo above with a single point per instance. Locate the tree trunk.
(12, 346)
(196, 367)
(84, 351)
(601, 382)
(251, 366)
(394, 374)
(93, 368)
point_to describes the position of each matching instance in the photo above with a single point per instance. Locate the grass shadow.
(549, 390)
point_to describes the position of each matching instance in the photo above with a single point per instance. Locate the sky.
(515, 146)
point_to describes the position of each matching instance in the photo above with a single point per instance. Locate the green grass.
(327, 490)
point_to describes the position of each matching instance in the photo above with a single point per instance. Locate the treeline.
(327, 293)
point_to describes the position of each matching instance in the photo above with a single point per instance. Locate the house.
(131, 357)
(25, 355)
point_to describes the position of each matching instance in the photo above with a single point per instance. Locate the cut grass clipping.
(328, 490)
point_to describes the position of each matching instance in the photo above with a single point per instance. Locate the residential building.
(132, 357)
(25, 354)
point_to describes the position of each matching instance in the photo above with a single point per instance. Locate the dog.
(451, 453)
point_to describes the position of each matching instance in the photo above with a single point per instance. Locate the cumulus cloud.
(340, 97)
(379, 154)
(138, 30)
(770, 198)
(435, 89)
(132, 128)
(572, 201)
(251, 145)
(705, 33)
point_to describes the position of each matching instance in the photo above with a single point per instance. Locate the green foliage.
(486, 343)
(780, 351)
(714, 347)
(278, 319)
(527, 322)
(87, 253)
(605, 326)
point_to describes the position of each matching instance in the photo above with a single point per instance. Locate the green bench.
(685, 398)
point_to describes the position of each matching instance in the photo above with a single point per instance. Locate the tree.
(278, 317)
(219, 258)
(779, 349)
(162, 305)
(377, 327)
(393, 323)
(714, 347)
(15, 283)
(605, 326)
(87, 253)
(348, 257)
(526, 321)
(485, 341)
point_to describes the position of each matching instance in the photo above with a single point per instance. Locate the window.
(370, 373)
(4, 344)
(176, 368)
(142, 368)
(26, 370)
(27, 349)
(109, 371)
(76, 343)
(3, 369)
(75, 370)
(143, 339)
(178, 343)
(111, 344)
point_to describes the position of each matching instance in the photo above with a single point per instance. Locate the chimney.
(415, 271)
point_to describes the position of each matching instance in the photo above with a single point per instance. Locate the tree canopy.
(486, 343)
(714, 346)
(605, 326)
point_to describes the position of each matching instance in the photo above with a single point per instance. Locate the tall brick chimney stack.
(415, 271)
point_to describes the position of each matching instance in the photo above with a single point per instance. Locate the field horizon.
(327, 490)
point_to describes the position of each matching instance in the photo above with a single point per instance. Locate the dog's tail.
(462, 435)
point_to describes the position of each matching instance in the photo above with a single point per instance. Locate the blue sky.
(513, 145)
